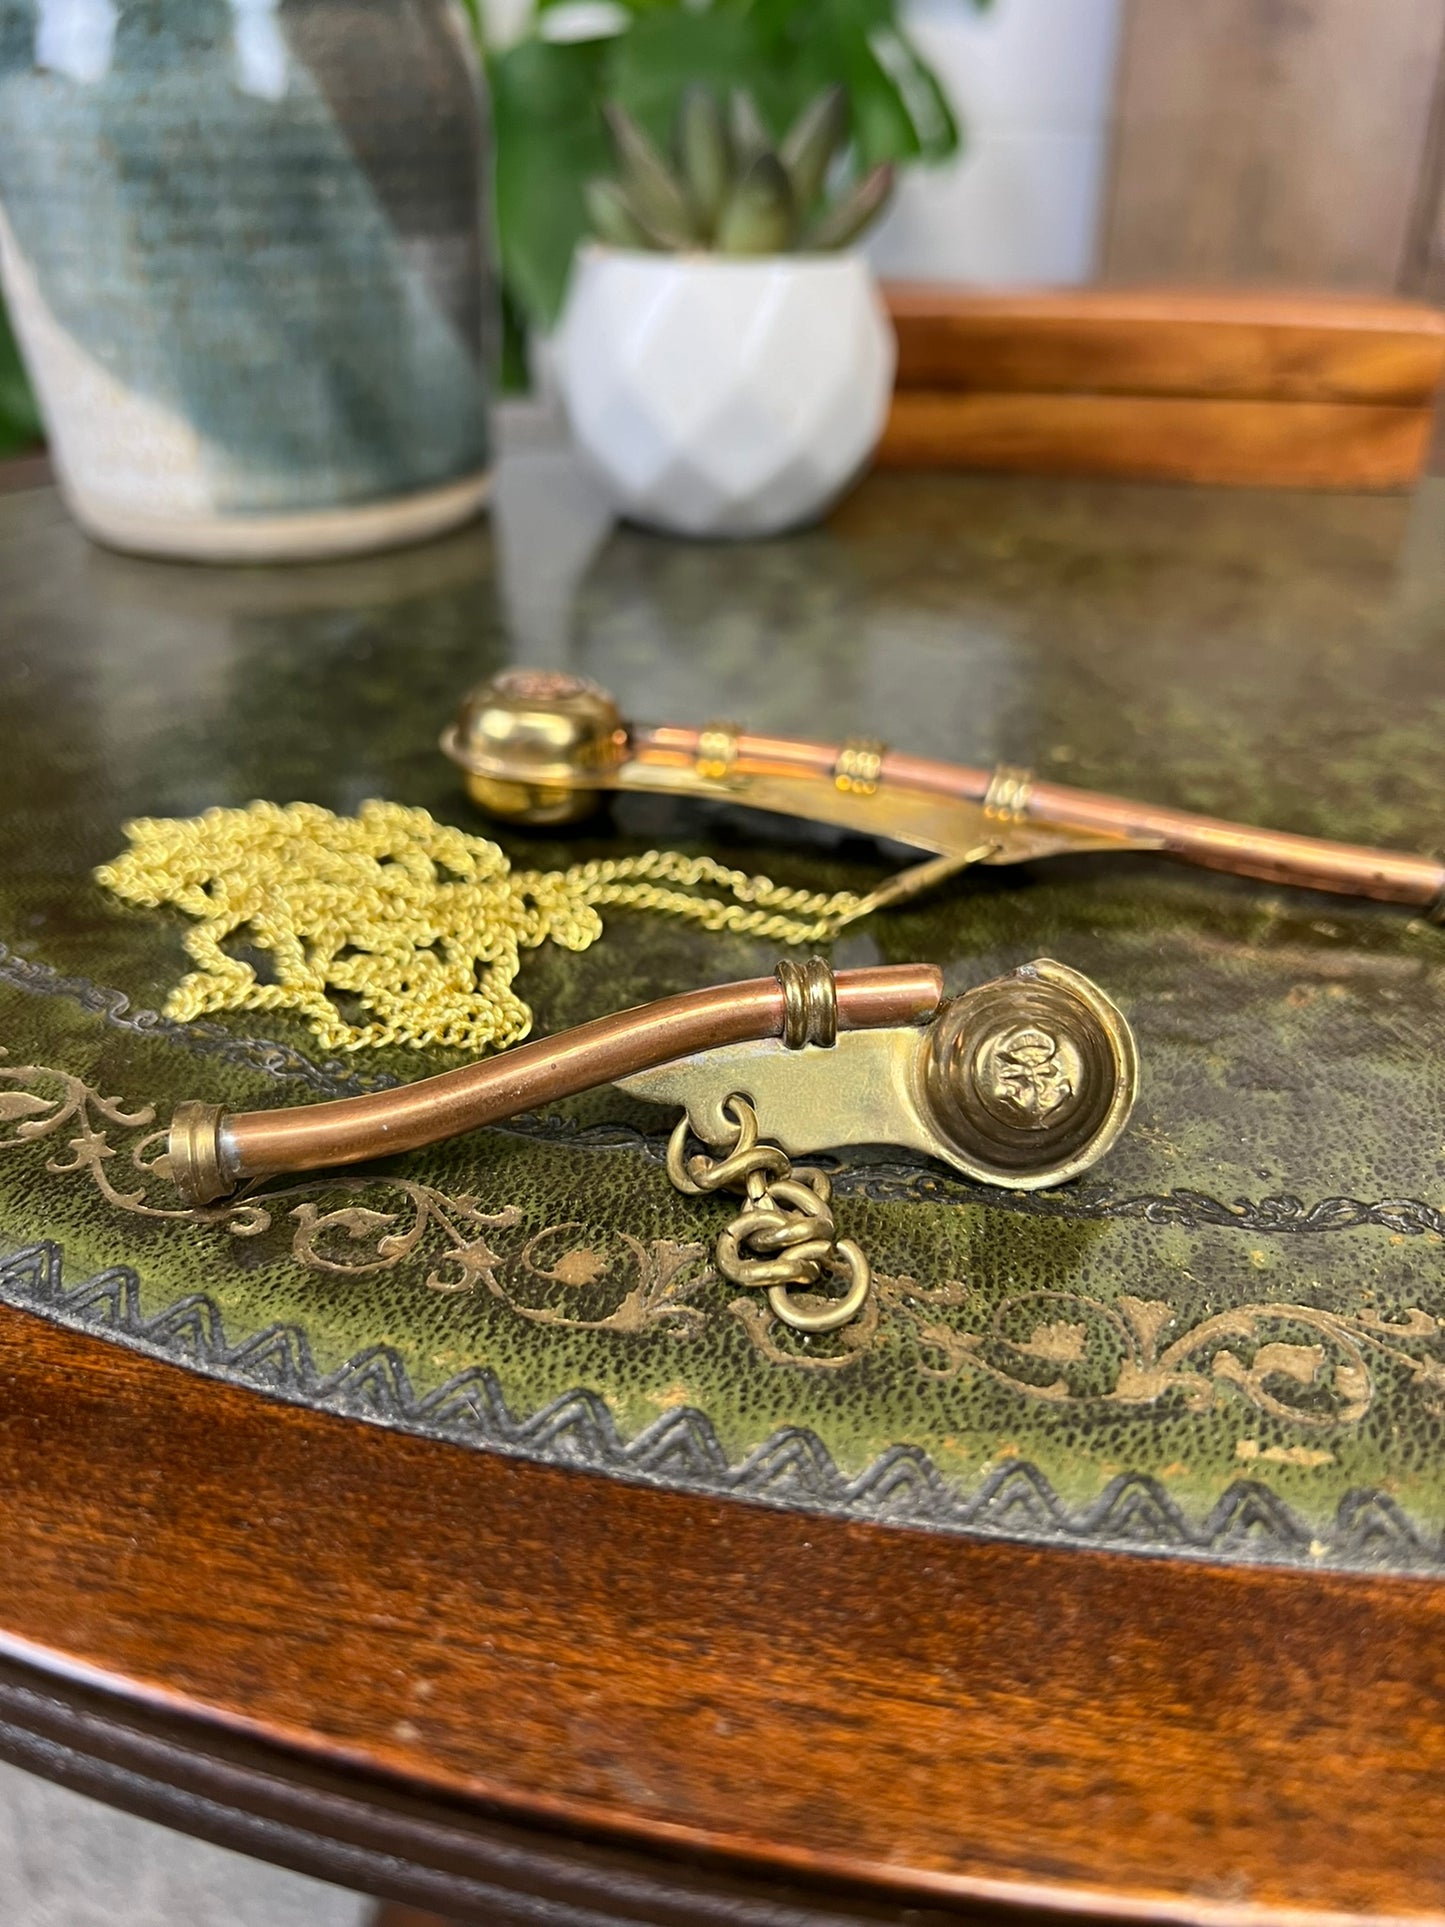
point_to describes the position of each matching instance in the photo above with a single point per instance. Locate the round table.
(519, 1670)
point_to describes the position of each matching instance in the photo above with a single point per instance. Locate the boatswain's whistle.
(1023, 1082)
(543, 748)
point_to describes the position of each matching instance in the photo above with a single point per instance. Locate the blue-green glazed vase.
(243, 245)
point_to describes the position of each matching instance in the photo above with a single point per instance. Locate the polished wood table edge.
(376, 1839)
(371, 1835)
(383, 1834)
(172, 1614)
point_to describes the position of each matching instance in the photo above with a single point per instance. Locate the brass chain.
(420, 924)
(759, 907)
(784, 1239)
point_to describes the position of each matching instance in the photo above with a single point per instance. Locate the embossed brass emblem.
(1024, 1075)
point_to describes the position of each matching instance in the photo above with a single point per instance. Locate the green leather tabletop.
(1228, 1340)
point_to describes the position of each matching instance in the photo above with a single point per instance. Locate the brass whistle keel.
(544, 748)
(1022, 1082)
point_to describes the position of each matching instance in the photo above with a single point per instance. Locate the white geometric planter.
(725, 396)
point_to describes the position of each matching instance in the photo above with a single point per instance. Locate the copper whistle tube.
(1273, 856)
(211, 1153)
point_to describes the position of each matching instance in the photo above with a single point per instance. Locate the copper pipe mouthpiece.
(211, 1153)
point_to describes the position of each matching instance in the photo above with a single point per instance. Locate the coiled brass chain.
(783, 1240)
(420, 924)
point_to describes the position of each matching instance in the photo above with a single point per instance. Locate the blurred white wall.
(1033, 82)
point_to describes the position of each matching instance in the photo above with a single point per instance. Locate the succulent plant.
(729, 187)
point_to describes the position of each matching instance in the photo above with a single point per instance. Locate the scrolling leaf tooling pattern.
(1298, 1363)
(1302, 1364)
(335, 1232)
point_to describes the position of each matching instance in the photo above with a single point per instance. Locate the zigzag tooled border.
(793, 1469)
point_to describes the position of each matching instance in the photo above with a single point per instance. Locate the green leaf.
(613, 217)
(812, 141)
(883, 129)
(551, 137)
(704, 156)
(759, 217)
(750, 137)
(899, 111)
(20, 424)
(923, 98)
(639, 9)
(846, 219)
(653, 196)
(652, 65)
(550, 141)
(513, 374)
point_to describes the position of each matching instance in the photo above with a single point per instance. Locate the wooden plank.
(1161, 438)
(1271, 140)
(1170, 342)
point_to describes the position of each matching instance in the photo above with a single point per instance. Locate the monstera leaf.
(551, 139)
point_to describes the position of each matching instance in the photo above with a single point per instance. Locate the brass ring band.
(194, 1151)
(1006, 800)
(717, 751)
(810, 1004)
(858, 766)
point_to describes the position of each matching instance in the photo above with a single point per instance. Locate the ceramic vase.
(243, 249)
(723, 396)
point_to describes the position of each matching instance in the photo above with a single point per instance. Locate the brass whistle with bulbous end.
(1022, 1082)
(543, 748)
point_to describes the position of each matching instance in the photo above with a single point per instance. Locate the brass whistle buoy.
(540, 747)
(1022, 1082)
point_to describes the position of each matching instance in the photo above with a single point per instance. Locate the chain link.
(784, 1239)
